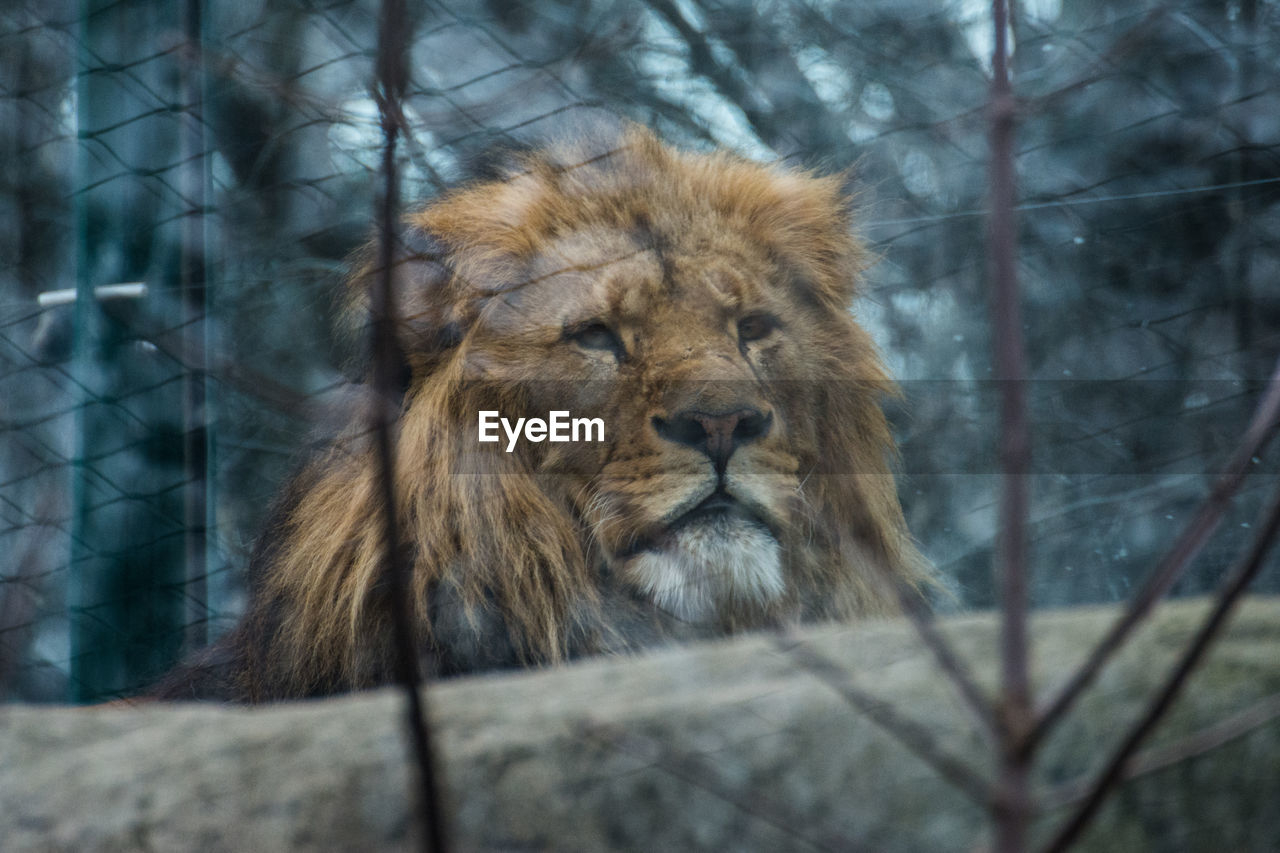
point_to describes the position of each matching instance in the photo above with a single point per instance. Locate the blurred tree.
(1148, 165)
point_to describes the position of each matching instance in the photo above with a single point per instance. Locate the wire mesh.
(228, 162)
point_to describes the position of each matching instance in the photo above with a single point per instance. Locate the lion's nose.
(715, 435)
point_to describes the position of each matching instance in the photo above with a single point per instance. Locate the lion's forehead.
(633, 276)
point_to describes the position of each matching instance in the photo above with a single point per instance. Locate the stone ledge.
(723, 746)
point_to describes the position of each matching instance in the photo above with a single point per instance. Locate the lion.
(698, 305)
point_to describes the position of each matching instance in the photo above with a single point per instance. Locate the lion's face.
(698, 306)
(696, 352)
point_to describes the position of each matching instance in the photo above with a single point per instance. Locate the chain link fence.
(182, 185)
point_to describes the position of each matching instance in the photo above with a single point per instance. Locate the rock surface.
(725, 746)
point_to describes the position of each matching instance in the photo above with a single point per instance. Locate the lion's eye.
(753, 327)
(595, 335)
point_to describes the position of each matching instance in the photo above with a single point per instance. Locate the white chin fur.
(708, 566)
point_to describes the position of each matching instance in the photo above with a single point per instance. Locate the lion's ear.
(809, 220)
(429, 316)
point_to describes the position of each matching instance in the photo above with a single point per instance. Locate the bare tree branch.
(703, 61)
(906, 731)
(697, 773)
(948, 661)
(1012, 807)
(194, 411)
(1158, 758)
(392, 78)
(1245, 571)
(1170, 568)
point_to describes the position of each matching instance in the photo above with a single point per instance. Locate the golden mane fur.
(531, 556)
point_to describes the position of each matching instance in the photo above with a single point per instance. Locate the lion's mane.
(505, 571)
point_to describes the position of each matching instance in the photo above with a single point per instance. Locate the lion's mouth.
(718, 508)
(719, 504)
(717, 557)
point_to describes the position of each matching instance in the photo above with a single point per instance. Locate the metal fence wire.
(183, 183)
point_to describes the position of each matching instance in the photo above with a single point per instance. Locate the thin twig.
(948, 661)
(1154, 759)
(195, 436)
(906, 731)
(703, 61)
(694, 772)
(1012, 808)
(1244, 572)
(1130, 42)
(1184, 550)
(391, 81)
